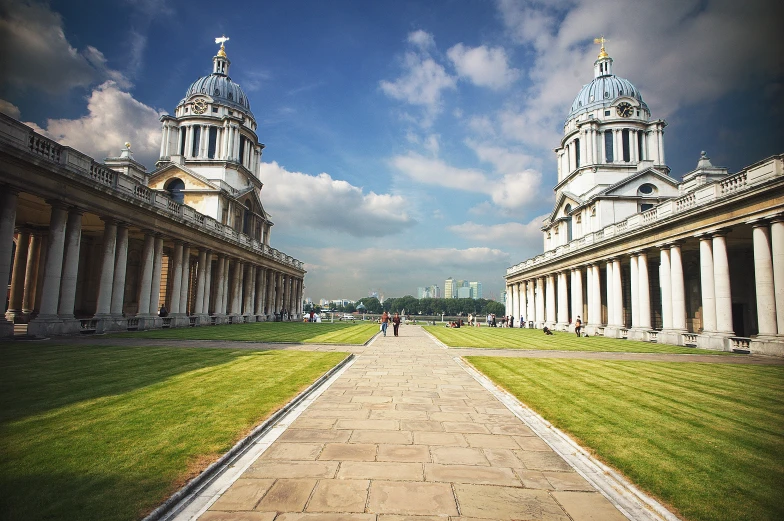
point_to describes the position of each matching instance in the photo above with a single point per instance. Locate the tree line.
(425, 306)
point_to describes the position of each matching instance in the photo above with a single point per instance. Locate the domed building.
(93, 246)
(636, 253)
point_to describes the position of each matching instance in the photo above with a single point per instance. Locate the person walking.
(396, 323)
(578, 325)
(384, 323)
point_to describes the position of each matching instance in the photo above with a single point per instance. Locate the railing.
(741, 344)
(624, 333)
(600, 331)
(166, 322)
(193, 321)
(690, 339)
(213, 320)
(133, 324)
(653, 336)
(704, 194)
(88, 325)
(24, 138)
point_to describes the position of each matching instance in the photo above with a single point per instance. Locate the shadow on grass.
(35, 377)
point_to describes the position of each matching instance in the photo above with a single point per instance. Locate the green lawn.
(283, 332)
(534, 339)
(707, 439)
(107, 433)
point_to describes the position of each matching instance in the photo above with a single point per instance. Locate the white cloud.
(331, 204)
(485, 67)
(509, 233)
(421, 39)
(113, 118)
(36, 52)
(434, 171)
(9, 109)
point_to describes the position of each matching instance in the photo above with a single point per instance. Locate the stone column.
(253, 281)
(610, 294)
(157, 269)
(665, 283)
(540, 300)
(205, 307)
(247, 291)
(270, 286)
(219, 284)
(644, 294)
(550, 300)
(777, 250)
(73, 240)
(721, 279)
(176, 278)
(226, 286)
(707, 284)
(145, 285)
(47, 321)
(120, 265)
(259, 304)
(634, 280)
(563, 301)
(235, 288)
(186, 279)
(201, 279)
(280, 292)
(591, 316)
(763, 279)
(678, 290)
(577, 303)
(31, 274)
(18, 276)
(8, 197)
(103, 307)
(618, 294)
(597, 293)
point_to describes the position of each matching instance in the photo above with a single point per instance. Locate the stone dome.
(602, 92)
(221, 89)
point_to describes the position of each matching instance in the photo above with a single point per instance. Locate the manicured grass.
(283, 332)
(707, 439)
(535, 339)
(107, 433)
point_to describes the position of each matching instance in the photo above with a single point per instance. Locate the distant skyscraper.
(476, 290)
(435, 291)
(423, 292)
(464, 292)
(450, 288)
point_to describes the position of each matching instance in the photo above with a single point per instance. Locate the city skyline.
(402, 140)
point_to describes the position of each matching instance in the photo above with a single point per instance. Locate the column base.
(218, 319)
(564, 326)
(17, 316)
(717, 341)
(6, 329)
(249, 318)
(671, 336)
(767, 345)
(148, 321)
(44, 326)
(179, 320)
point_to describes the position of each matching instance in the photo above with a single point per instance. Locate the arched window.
(247, 217)
(176, 189)
(567, 211)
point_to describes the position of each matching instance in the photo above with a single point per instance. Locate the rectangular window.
(606, 112)
(608, 146)
(626, 148)
(242, 149)
(577, 153)
(215, 109)
(196, 140)
(211, 145)
(640, 147)
(183, 134)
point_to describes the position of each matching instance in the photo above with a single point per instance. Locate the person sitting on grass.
(547, 330)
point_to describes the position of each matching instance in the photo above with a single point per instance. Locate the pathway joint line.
(627, 498)
(192, 500)
(434, 339)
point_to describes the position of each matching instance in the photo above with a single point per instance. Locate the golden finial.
(602, 52)
(222, 51)
(128, 145)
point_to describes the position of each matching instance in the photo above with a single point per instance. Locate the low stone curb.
(183, 497)
(628, 499)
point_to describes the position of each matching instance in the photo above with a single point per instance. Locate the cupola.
(220, 63)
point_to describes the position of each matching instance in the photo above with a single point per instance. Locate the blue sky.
(407, 141)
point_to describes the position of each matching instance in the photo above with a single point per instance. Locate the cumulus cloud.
(483, 66)
(9, 109)
(509, 233)
(345, 208)
(113, 118)
(421, 39)
(37, 54)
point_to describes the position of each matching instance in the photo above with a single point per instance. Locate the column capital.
(758, 222)
(110, 220)
(56, 203)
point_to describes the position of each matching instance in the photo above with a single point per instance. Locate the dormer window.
(593, 211)
(231, 96)
(217, 92)
(578, 218)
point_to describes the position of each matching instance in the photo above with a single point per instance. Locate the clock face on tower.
(199, 106)
(624, 110)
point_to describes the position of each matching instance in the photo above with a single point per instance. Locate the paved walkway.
(406, 434)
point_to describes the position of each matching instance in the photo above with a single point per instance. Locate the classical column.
(50, 292)
(247, 292)
(253, 284)
(643, 294)
(678, 290)
(176, 278)
(597, 293)
(8, 197)
(610, 294)
(31, 274)
(235, 288)
(777, 250)
(205, 308)
(219, 284)
(707, 284)
(617, 294)
(226, 286)
(550, 300)
(665, 283)
(577, 303)
(103, 307)
(201, 279)
(157, 269)
(634, 279)
(540, 300)
(120, 265)
(590, 318)
(563, 300)
(763, 279)
(721, 278)
(18, 275)
(186, 279)
(148, 256)
(259, 305)
(269, 303)
(73, 240)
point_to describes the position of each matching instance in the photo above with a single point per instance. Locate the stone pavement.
(406, 434)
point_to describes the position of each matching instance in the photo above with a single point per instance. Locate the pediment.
(250, 193)
(192, 180)
(664, 185)
(564, 199)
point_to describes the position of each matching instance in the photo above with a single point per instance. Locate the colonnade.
(555, 299)
(200, 282)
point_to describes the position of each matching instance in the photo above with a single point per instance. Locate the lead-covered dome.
(602, 91)
(222, 89)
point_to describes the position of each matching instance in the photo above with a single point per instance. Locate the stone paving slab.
(407, 433)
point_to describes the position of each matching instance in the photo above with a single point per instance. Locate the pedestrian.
(578, 325)
(384, 322)
(547, 330)
(492, 316)
(396, 323)
(489, 320)
(522, 321)
(163, 312)
(511, 321)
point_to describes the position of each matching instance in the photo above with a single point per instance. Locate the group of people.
(578, 327)
(386, 319)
